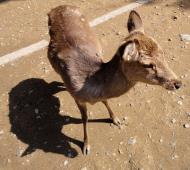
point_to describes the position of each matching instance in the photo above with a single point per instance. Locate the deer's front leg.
(83, 111)
(114, 118)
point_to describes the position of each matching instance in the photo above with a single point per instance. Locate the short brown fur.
(75, 54)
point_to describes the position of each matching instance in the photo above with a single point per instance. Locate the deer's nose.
(177, 84)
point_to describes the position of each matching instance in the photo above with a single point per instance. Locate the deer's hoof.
(86, 149)
(116, 121)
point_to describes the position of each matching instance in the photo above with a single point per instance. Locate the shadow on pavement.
(35, 119)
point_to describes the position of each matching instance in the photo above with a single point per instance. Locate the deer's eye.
(148, 66)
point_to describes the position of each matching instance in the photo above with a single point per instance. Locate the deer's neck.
(107, 82)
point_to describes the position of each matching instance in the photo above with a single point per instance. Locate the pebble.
(36, 111)
(183, 46)
(161, 140)
(119, 104)
(19, 152)
(174, 18)
(65, 162)
(185, 37)
(121, 143)
(1, 132)
(182, 97)
(149, 135)
(175, 157)
(118, 33)
(114, 154)
(173, 120)
(70, 155)
(67, 120)
(85, 168)
(188, 113)
(132, 141)
(186, 125)
(148, 101)
(120, 151)
(180, 102)
(169, 39)
(125, 118)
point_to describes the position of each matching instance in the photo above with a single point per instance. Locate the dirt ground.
(40, 127)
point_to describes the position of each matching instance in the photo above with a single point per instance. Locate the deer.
(76, 55)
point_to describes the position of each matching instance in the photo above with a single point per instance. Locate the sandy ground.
(41, 129)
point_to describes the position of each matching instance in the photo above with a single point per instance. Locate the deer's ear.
(134, 22)
(130, 52)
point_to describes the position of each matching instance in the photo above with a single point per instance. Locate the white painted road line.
(43, 43)
(117, 12)
(23, 52)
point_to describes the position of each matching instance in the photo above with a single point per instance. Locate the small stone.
(182, 97)
(1, 132)
(120, 151)
(65, 162)
(118, 33)
(161, 140)
(185, 37)
(125, 118)
(188, 113)
(149, 135)
(36, 111)
(38, 117)
(67, 120)
(85, 168)
(186, 125)
(70, 155)
(174, 18)
(14, 107)
(183, 46)
(173, 120)
(121, 143)
(169, 39)
(185, 75)
(114, 154)
(175, 157)
(131, 104)
(148, 101)
(8, 160)
(119, 104)
(132, 141)
(180, 102)
(19, 152)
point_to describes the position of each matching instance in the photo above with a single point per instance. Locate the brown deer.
(75, 54)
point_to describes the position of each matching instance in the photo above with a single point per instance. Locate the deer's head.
(144, 59)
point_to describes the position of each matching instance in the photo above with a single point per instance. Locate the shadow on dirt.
(35, 119)
(1, 1)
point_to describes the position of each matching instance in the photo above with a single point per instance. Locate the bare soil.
(40, 125)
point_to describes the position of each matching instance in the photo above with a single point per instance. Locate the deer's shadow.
(35, 119)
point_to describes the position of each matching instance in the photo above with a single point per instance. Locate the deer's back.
(74, 52)
(69, 28)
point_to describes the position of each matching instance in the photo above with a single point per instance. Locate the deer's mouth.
(172, 84)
